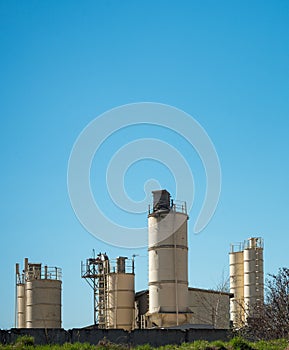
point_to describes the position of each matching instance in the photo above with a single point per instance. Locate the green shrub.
(143, 347)
(239, 343)
(218, 345)
(24, 340)
(199, 345)
(105, 344)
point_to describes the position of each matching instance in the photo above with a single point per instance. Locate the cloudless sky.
(63, 63)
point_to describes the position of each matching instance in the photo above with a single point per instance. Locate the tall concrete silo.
(168, 262)
(38, 296)
(246, 279)
(253, 275)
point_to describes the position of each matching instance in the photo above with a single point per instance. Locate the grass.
(27, 343)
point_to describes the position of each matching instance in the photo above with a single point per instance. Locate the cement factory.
(168, 302)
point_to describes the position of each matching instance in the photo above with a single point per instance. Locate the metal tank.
(20, 290)
(121, 295)
(253, 275)
(246, 279)
(21, 323)
(237, 284)
(38, 296)
(168, 261)
(43, 303)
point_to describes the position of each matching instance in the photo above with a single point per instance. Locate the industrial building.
(246, 279)
(38, 296)
(209, 309)
(168, 302)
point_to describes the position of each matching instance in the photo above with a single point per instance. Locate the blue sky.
(63, 63)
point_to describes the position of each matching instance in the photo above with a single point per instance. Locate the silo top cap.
(161, 200)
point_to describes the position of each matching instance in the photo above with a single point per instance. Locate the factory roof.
(145, 291)
(211, 291)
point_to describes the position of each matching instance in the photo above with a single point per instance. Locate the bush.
(73, 346)
(218, 345)
(24, 340)
(239, 343)
(198, 345)
(105, 344)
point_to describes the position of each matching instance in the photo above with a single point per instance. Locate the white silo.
(121, 292)
(168, 262)
(39, 297)
(253, 275)
(21, 300)
(237, 284)
(246, 279)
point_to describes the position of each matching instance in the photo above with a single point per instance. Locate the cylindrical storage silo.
(43, 303)
(168, 262)
(120, 301)
(21, 305)
(253, 275)
(237, 287)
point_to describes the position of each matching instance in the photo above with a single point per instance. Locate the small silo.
(253, 275)
(38, 296)
(168, 262)
(237, 284)
(21, 300)
(121, 295)
(112, 282)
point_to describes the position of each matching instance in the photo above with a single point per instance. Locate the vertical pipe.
(94, 294)
(176, 272)
(115, 300)
(94, 301)
(106, 293)
(25, 264)
(16, 308)
(17, 269)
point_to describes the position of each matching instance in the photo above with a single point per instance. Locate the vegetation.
(271, 320)
(25, 340)
(237, 343)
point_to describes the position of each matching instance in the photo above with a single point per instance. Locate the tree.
(271, 320)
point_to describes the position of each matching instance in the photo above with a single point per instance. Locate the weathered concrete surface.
(94, 336)
(154, 337)
(208, 334)
(157, 337)
(41, 335)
